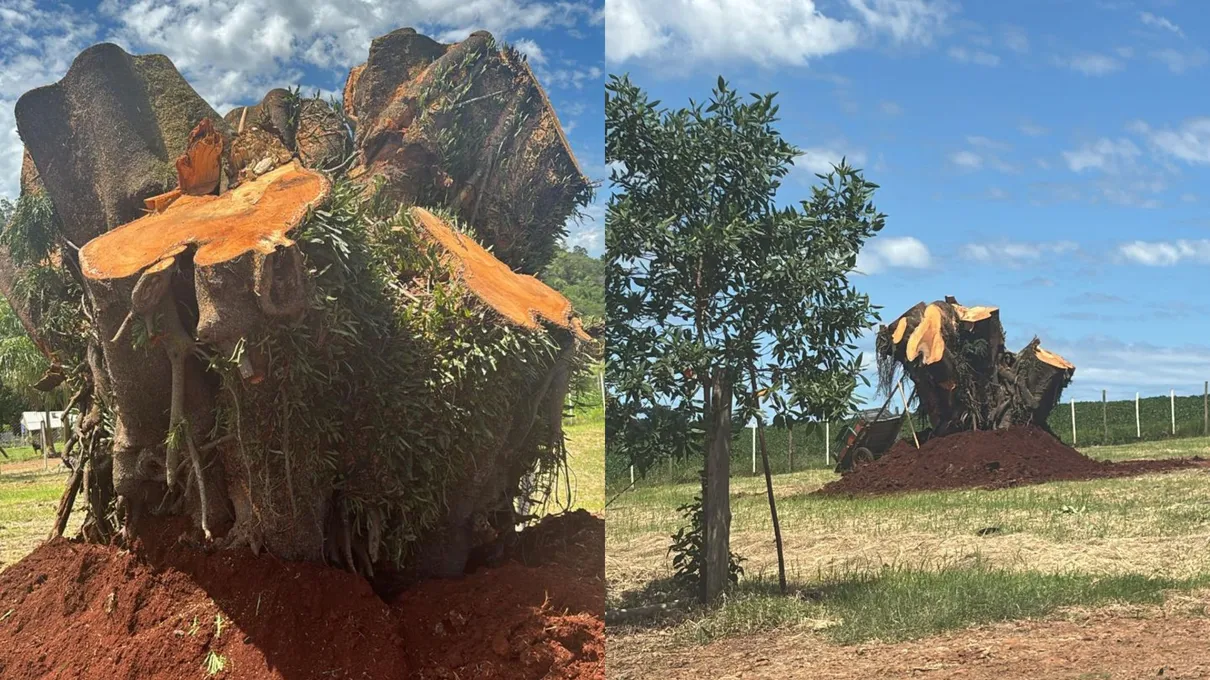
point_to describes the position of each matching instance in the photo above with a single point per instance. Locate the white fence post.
(602, 387)
(1073, 421)
(632, 475)
(1138, 426)
(827, 443)
(1172, 401)
(753, 448)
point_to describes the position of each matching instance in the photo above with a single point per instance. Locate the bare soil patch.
(1103, 644)
(990, 460)
(74, 610)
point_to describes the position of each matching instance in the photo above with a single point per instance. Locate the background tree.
(580, 277)
(715, 293)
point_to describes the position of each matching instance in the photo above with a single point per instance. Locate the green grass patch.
(898, 604)
(28, 502)
(17, 454)
(585, 460)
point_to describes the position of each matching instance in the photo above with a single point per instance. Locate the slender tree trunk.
(716, 500)
(764, 456)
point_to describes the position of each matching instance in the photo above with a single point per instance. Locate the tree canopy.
(711, 284)
(580, 277)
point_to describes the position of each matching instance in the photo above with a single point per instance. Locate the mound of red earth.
(72, 610)
(987, 459)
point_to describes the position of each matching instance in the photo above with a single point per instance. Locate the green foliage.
(29, 229)
(580, 278)
(1155, 420)
(688, 549)
(393, 358)
(708, 280)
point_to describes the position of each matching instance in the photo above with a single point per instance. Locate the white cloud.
(901, 252)
(1190, 142)
(986, 143)
(1179, 62)
(1014, 253)
(1154, 21)
(234, 53)
(27, 62)
(531, 50)
(890, 108)
(1166, 253)
(966, 159)
(766, 33)
(1093, 64)
(1031, 129)
(979, 57)
(1108, 155)
(1016, 40)
(820, 160)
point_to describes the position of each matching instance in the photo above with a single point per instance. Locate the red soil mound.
(71, 610)
(982, 459)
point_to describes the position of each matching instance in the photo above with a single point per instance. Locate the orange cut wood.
(159, 202)
(900, 329)
(519, 298)
(927, 340)
(1052, 359)
(199, 168)
(256, 216)
(974, 314)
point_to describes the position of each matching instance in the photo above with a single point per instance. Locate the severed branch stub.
(196, 232)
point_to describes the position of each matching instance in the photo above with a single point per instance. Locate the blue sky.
(232, 52)
(1048, 158)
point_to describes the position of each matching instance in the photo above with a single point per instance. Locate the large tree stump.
(964, 377)
(294, 362)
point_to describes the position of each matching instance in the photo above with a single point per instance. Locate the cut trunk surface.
(964, 376)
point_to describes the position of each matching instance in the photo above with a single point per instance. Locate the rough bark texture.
(964, 377)
(509, 172)
(716, 500)
(354, 380)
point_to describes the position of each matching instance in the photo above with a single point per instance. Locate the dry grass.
(1155, 526)
(28, 501)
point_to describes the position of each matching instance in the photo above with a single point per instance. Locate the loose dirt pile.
(72, 610)
(990, 460)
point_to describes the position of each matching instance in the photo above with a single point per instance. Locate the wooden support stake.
(827, 443)
(907, 414)
(1138, 425)
(1073, 421)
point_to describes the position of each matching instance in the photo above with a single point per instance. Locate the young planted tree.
(716, 294)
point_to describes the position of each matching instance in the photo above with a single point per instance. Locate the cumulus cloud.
(1030, 129)
(1166, 253)
(767, 33)
(1159, 22)
(1015, 253)
(1107, 155)
(232, 52)
(1179, 62)
(901, 252)
(966, 159)
(820, 160)
(973, 56)
(1092, 64)
(1190, 142)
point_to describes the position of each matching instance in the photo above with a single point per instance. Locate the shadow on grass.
(899, 604)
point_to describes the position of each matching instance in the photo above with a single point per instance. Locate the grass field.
(905, 566)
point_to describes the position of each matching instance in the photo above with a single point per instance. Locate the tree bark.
(764, 456)
(716, 500)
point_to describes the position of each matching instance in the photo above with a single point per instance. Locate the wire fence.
(808, 446)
